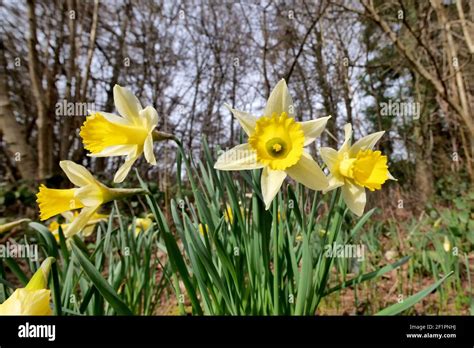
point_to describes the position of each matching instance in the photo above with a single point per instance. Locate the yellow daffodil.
(142, 224)
(88, 196)
(69, 217)
(203, 229)
(32, 299)
(276, 144)
(229, 215)
(355, 168)
(106, 134)
(447, 244)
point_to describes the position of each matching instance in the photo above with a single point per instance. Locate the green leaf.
(16, 270)
(104, 288)
(50, 241)
(56, 289)
(410, 301)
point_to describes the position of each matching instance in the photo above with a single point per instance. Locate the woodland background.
(187, 58)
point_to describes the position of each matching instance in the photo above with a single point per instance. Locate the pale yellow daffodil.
(447, 244)
(34, 298)
(276, 144)
(88, 196)
(355, 168)
(106, 135)
(142, 224)
(69, 217)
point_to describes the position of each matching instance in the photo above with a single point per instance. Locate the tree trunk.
(14, 133)
(43, 121)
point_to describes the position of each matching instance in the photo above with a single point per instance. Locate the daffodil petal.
(68, 215)
(313, 129)
(334, 183)
(329, 156)
(27, 302)
(88, 230)
(116, 150)
(308, 172)
(246, 120)
(355, 198)
(366, 143)
(112, 117)
(150, 116)
(241, 157)
(148, 150)
(279, 101)
(127, 104)
(89, 195)
(347, 138)
(271, 182)
(390, 176)
(76, 173)
(80, 221)
(123, 171)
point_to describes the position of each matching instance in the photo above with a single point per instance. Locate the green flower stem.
(121, 193)
(276, 266)
(161, 136)
(333, 226)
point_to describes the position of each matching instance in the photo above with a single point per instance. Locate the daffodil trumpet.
(355, 168)
(276, 144)
(34, 298)
(131, 135)
(88, 196)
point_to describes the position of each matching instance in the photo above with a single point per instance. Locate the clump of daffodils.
(34, 298)
(276, 143)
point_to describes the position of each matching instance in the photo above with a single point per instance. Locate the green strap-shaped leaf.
(410, 301)
(50, 243)
(100, 283)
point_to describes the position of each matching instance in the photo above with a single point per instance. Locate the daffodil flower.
(69, 217)
(203, 229)
(88, 196)
(131, 135)
(276, 144)
(447, 244)
(355, 168)
(142, 224)
(34, 298)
